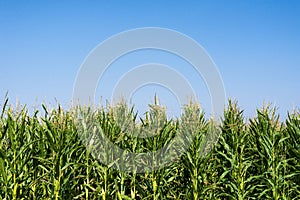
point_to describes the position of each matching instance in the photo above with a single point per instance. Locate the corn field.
(43, 157)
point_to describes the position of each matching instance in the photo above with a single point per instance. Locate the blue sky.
(255, 45)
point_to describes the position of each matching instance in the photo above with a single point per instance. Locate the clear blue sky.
(255, 45)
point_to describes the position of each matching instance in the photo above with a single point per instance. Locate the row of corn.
(58, 154)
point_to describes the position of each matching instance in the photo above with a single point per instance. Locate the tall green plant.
(270, 161)
(233, 156)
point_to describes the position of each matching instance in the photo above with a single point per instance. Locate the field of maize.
(43, 157)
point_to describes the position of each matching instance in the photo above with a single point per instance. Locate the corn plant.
(269, 148)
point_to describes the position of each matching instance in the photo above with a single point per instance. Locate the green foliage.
(45, 157)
